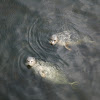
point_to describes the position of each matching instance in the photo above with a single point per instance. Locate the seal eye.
(54, 40)
(27, 60)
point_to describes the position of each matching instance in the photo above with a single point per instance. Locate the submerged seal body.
(48, 71)
(67, 39)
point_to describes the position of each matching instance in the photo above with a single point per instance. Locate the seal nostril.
(51, 43)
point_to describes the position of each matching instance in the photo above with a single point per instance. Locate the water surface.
(25, 29)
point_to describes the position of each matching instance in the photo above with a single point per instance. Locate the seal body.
(48, 71)
(66, 39)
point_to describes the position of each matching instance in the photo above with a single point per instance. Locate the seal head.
(30, 61)
(54, 40)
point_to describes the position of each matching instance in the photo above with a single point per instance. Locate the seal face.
(30, 61)
(54, 39)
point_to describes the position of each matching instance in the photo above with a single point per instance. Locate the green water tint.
(50, 73)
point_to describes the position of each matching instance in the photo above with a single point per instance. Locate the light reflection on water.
(25, 31)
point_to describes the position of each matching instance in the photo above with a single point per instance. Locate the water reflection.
(25, 31)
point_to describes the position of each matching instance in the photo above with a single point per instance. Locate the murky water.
(25, 29)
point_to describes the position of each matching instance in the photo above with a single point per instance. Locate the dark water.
(25, 29)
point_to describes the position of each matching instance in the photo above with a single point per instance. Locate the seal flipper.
(43, 74)
(66, 46)
(74, 84)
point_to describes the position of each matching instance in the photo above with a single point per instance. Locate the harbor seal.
(67, 39)
(48, 71)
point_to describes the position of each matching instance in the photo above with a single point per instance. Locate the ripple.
(18, 67)
(38, 39)
(31, 39)
(43, 44)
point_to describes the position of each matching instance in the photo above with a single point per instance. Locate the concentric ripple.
(31, 38)
(18, 66)
(38, 38)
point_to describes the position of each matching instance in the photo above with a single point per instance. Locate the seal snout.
(51, 42)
